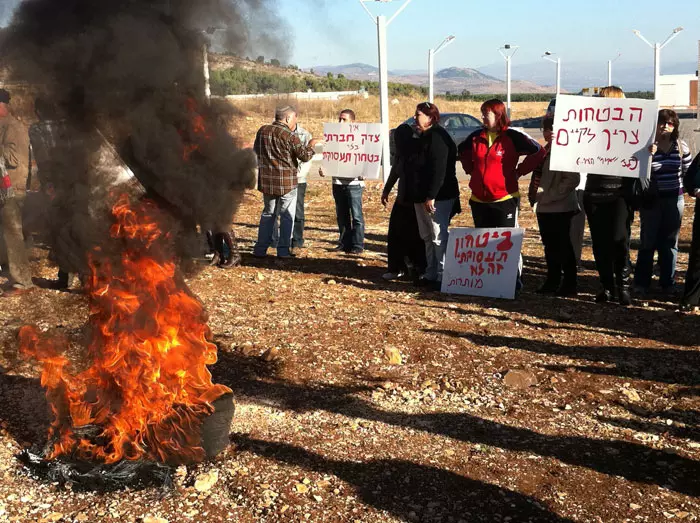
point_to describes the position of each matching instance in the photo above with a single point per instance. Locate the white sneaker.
(388, 276)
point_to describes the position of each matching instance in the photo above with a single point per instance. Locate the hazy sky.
(334, 32)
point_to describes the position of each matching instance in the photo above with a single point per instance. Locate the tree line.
(236, 80)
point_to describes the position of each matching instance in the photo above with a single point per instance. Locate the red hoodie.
(494, 170)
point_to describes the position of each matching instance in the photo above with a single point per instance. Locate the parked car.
(550, 108)
(458, 125)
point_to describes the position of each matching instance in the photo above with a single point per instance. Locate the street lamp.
(382, 23)
(209, 31)
(548, 56)
(657, 55)
(507, 52)
(431, 64)
(610, 62)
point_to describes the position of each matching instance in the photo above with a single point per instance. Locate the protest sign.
(482, 262)
(352, 150)
(603, 135)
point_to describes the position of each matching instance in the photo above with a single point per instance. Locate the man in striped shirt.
(279, 152)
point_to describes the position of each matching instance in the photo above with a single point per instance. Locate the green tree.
(275, 62)
(260, 59)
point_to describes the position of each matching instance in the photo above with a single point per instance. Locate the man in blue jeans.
(347, 193)
(279, 152)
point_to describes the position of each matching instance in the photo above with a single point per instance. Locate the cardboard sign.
(482, 262)
(352, 150)
(603, 135)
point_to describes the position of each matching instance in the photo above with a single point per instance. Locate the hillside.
(452, 79)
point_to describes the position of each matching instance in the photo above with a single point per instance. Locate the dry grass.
(314, 113)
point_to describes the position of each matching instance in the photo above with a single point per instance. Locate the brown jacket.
(8, 154)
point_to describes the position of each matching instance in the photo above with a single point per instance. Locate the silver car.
(458, 125)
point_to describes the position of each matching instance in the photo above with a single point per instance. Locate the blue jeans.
(298, 232)
(660, 226)
(285, 207)
(433, 230)
(348, 210)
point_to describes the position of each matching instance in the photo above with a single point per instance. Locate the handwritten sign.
(603, 135)
(482, 262)
(352, 150)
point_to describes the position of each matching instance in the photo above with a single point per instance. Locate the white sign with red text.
(603, 135)
(482, 262)
(352, 150)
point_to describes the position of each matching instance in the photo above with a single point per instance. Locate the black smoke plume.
(132, 69)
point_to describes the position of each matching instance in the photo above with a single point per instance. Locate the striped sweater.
(668, 169)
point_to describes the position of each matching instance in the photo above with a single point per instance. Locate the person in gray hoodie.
(553, 193)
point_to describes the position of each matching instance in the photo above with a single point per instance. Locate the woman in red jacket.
(491, 157)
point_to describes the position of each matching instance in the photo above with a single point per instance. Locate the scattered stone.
(631, 394)
(271, 354)
(154, 519)
(206, 481)
(54, 516)
(301, 488)
(260, 276)
(246, 348)
(393, 355)
(318, 498)
(519, 379)
(634, 506)
(80, 518)
(331, 282)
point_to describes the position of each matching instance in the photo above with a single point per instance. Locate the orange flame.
(148, 387)
(197, 131)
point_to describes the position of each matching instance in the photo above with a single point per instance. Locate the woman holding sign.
(435, 188)
(491, 157)
(661, 210)
(606, 201)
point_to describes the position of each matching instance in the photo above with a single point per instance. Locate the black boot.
(549, 286)
(234, 258)
(623, 288)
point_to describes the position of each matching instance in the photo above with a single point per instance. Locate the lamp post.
(657, 55)
(431, 64)
(610, 62)
(205, 62)
(548, 56)
(507, 52)
(382, 23)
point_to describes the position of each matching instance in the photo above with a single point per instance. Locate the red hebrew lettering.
(374, 158)
(490, 257)
(621, 131)
(603, 115)
(492, 268)
(583, 114)
(470, 255)
(483, 240)
(561, 132)
(568, 115)
(479, 256)
(341, 138)
(631, 164)
(635, 134)
(478, 284)
(619, 112)
(608, 133)
(477, 270)
(469, 240)
(505, 244)
(503, 257)
(350, 137)
(376, 138)
(639, 112)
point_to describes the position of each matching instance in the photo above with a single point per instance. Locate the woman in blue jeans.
(435, 188)
(662, 209)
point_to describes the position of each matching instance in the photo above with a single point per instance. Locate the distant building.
(678, 91)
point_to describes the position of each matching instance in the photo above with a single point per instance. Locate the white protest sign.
(352, 150)
(482, 262)
(603, 135)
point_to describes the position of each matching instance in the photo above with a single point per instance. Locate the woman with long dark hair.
(435, 188)
(661, 210)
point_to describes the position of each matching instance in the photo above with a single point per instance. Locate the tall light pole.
(431, 64)
(382, 23)
(205, 60)
(507, 52)
(610, 62)
(657, 55)
(548, 56)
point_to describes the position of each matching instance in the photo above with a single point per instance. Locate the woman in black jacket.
(435, 190)
(405, 250)
(691, 292)
(605, 200)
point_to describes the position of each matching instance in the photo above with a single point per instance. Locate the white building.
(678, 90)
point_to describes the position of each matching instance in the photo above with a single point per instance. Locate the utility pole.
(507, 52)
(610, 62)
(548, 56)
(431, 64)
(657, 55)
(382, 23)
